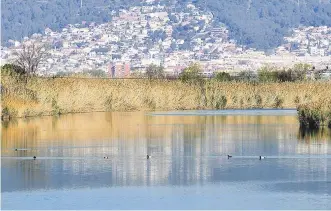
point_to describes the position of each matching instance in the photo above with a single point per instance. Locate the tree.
(223, 76)
(246, 76)
(299, 71)
(267, 74)
(30, 56)
(12, 69)
(154, 72)
(191, 74)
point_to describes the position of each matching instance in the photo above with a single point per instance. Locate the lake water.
(189, 168)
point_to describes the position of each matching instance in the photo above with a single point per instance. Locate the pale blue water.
(189, 168)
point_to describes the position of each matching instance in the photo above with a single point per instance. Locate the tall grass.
(53, 96)
(315, 115)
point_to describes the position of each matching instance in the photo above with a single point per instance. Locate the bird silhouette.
(261, 157)
(34, 157)
(229, 156)
(148, 156)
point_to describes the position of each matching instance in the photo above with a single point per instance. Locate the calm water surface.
(189, 168)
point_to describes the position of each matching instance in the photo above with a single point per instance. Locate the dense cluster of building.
(162, 35)
(305, 41)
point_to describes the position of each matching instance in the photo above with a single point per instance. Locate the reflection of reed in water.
(182, 147)
(12, 122)
(72, 129)
(313, 141)
(100, 134)
(317, 135)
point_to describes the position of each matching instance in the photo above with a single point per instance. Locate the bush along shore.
(23, 96)
(315, 115)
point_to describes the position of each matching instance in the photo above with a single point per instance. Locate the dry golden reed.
(47, 96)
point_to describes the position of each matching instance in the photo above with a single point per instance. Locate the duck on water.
(260, 157)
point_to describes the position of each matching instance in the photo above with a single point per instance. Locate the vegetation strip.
(24, 96)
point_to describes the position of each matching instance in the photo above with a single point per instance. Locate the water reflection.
(314, 135)
(317, 140)
(186, 150)
(321, 187)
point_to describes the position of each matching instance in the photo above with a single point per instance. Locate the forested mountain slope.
(256, 23)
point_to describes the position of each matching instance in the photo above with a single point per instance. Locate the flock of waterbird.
(260, 157)
(149, 156)
(229, 156)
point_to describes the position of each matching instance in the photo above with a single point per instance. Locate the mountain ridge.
(259, 24)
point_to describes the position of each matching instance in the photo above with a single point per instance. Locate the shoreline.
(160, 112)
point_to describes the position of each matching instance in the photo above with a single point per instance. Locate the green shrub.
(5, 111)
(155, 72)
(258, 101)
(314, 115)
(278, 102)
(246, 76)
(309, 119)
(8, 113)
(15, 72)
(221, 103)
(191, 74)
(234, 99)
(297, 73)
(267, 74)
(223, 76)
(12, 70)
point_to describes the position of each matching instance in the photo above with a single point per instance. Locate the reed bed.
(49, 96)
(316, 114)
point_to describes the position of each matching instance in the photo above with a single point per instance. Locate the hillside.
(256, 23)
(263, 23)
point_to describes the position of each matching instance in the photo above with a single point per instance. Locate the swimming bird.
(15, 149)
(105, 157)
(229, 156)
(34, 157)
(148, 156)
(261, 157)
